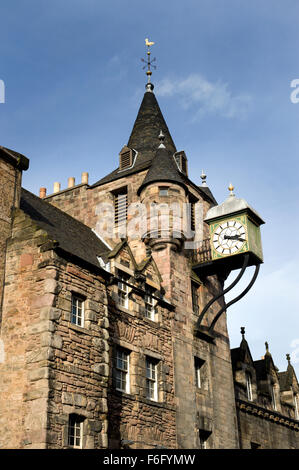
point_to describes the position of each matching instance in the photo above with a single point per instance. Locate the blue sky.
(74, 83)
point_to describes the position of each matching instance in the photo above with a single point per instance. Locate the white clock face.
(229, 237)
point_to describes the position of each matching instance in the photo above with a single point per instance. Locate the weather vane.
(149, 62)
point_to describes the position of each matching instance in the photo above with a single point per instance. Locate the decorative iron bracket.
(209, 332)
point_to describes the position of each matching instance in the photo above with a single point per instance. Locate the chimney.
(71, 182)
(84, 178)
(56, 187)
(42, 192)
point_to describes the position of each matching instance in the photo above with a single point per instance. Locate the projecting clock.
(229, 237)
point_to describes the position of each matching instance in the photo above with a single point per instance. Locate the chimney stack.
(84, 178)
(42, 192)
(71, 182)
(56, 187)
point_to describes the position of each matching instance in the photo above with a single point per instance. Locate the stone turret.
(11, 166)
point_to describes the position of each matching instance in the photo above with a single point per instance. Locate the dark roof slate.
(73, 237)
(144, 137)
(163, 169)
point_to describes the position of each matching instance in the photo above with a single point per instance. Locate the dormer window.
(126, 158)
(181, 161)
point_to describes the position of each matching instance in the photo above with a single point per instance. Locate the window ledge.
(78, 328)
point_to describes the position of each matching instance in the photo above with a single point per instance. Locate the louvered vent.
(181, 161)
(125, 158)
(120, 206)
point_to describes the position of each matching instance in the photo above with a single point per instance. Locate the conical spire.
(163, 167)
(148, 124)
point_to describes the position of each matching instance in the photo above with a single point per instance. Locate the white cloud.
(204, 97)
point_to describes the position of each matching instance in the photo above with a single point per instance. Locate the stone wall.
(10, 186)
(52, 367)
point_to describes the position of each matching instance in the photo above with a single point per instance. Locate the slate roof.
(73, 237)
(163, 168)
(144, 139)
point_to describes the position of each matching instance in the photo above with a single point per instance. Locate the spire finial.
(203, 178)
(243, 332)
(231, 189)
(149, 63)
(161, 138)
(267, 347)
(288, 358)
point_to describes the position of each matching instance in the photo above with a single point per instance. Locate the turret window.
(163, 190)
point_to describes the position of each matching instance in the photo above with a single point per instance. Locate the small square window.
(163, 191)
(77, 313)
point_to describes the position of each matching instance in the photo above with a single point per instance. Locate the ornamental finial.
(203, 178)
(161, 138)
(149, 63)
(288, 358)
(243, 331)
(231, 189)
(267, 347)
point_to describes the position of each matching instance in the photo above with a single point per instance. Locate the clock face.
(229, 237)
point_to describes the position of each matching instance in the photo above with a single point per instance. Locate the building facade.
(99, 311)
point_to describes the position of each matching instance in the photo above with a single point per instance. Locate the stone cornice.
(253, 409)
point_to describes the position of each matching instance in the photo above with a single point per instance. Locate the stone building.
(99, 346)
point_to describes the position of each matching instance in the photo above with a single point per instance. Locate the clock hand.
(233, 237)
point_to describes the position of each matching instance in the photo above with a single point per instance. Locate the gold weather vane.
(149, 62)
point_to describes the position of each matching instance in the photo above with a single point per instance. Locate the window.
(77, 314)
(181, 161)
(163, 190)
(121, 370)
(120, 206)
(151, 379)
(75, 431)
(248, 387)
(273, 398)
(192, 202)
(195, 307)
(255, 445)
(198, 363)
(150, 309)
(296, 407)
(203, 438)
(123, 289)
